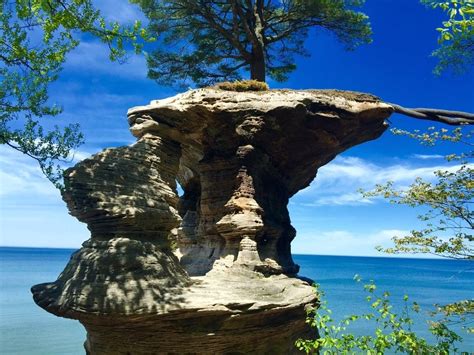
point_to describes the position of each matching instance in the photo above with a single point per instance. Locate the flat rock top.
(217, 100)
(249, 291)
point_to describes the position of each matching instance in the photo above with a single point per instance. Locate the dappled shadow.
(115, 278)
(127, 197)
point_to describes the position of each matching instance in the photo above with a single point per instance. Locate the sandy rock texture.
(243, 156)
(209, 272)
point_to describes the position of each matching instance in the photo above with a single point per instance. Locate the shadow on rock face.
(116, 277)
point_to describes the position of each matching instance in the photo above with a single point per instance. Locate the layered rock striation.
(210, 271)
(243, 156)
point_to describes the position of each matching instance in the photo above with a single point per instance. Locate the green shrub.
(243, 85)
(392, 330)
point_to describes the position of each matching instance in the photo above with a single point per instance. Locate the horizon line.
(293, 254)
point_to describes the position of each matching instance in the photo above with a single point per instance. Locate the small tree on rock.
(205, 41)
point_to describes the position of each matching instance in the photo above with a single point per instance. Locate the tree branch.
(210, 18)
(238, 11)
(454, 118)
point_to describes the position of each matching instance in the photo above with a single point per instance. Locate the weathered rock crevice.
(210, 271)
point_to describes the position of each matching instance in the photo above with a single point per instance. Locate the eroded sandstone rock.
(243, 156)
(127, 197)
(211, 271)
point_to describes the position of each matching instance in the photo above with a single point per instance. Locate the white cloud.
(338, 182)
(21, 177)
(343, 242)
(345, 199)
(120, 11)
(428, 156)
(93, 57)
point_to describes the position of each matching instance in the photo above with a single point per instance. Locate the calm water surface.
(27, 329)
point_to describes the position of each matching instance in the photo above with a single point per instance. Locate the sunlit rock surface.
(211, 271)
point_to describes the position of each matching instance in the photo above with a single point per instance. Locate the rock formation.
(210, 271)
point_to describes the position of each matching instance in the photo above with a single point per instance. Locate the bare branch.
(210, 17)
(454, 118)
(250, 33)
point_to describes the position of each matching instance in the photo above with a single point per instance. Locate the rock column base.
(264, 332)
(232, 311)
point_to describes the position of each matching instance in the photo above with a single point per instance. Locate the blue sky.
(330, 216)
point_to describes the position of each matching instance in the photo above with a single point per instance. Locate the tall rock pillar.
(209, 272)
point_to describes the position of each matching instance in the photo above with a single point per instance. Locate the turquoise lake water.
(27, 329)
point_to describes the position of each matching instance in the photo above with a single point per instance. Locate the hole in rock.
(179, 189)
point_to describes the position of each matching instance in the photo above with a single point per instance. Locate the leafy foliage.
(449, 198)
(450, 216)
(392, 331)
(207, 41)
(35, 36)
(456, 36)
(460, 312)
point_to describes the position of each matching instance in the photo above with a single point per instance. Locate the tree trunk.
(257, 66)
